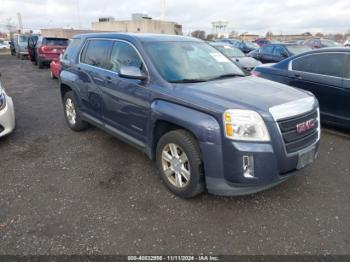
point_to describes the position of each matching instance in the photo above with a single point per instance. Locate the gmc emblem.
(305, 126)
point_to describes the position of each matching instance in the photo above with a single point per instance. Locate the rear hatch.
(54, 45)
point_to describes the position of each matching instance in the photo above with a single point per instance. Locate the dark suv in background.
(190, 108)
(274, 53)
(45, 49)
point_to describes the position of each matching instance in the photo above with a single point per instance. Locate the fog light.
(248, 166)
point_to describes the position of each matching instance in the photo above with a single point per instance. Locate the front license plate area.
(306, 158)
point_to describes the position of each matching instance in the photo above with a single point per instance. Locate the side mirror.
(132, 72)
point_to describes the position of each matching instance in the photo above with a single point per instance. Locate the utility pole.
(162, 9)
(20, 23)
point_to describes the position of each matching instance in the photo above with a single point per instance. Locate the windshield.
(190, 61)
(55, 41)
(252, 45)
(229, 51)
(23, 38)
(298, 49)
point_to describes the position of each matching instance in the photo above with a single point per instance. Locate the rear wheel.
(52, 75)
(180, 163)
(40, 64)
(71, 113)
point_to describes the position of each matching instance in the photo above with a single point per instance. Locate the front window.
(190, 62)
(329, 64)
(230, 51)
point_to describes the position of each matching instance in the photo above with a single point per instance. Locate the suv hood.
(252, 93)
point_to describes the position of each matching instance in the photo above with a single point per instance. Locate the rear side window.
(73, 46)
(96, 53)
(323, 64)
(55, 41)
(267, 49)
(278, 50)
(123, 54)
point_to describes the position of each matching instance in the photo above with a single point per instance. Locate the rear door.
(266, 54)
(91, 77)
(278, 53)
(322, 74)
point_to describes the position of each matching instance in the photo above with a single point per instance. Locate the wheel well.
(162, 127)
(64, 89)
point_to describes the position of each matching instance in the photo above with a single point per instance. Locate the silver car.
(7, 113)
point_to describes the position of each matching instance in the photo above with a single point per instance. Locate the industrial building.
(64, 33)
(140, 23)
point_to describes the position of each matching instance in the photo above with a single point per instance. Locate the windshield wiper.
(225, 76)
(188, 80)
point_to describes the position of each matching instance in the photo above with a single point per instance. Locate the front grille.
(295, 141)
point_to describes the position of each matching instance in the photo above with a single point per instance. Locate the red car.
(55, 68)
(48, 49)
(262, 41)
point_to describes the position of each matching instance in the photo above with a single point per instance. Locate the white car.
(7, 113)
(4, 45)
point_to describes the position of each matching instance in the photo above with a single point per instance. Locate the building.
(248, 37)
(219, 28)
(286, 38)
(64, 33)
(140, 23)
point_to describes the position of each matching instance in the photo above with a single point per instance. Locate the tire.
(193, 184)
(52, 75)
(75, 122)
(40, 64)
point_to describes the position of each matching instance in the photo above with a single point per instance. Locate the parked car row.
(40, 50)
(273, 53)
(247, 64)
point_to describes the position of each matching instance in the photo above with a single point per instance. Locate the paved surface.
(63, 192)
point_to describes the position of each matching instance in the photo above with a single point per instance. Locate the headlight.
(245, 125)
(2, 98)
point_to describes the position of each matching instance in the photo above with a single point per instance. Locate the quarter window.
(96, 53)
(323, 64)
(123, 54)
(72, 48)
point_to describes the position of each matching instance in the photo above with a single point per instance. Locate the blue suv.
(189, 108)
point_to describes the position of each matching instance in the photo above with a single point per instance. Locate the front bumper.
(267, 167)
(7, 118)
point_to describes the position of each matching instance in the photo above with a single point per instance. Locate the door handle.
(297, 76)
(109, 79)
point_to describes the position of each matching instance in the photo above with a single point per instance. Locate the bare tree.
(198, 34)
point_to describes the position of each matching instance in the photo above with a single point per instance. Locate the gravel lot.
(63, 192)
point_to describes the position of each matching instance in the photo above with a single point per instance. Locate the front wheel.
(72, 114)
(180, 163)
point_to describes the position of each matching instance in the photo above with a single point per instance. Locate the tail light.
(45, 49)
(255, 73)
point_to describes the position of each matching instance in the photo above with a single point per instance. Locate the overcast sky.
(254, 16)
